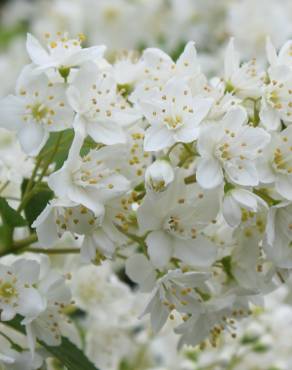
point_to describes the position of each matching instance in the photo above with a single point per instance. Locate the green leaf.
(6, 237)
(227, 266)
(62, 153)
(260, 348)
(249, 339)
(37, 201)
(10, 216)
(67, 353)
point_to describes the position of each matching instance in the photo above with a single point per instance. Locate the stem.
(171, 148)
(31, 191)
(50, 159)
(54, 251)
(13, 344)
(138, 239)
(18, 245)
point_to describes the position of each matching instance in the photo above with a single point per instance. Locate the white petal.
(86, 54)
(271, 52)
(81, 196)
(188, 63)
(242, 172)
(159, 246)
(199, 252)
(11, 111)
(74, 99)
(141, 271)
(270, 117)
(209, 173)
(245, 198)
(32, 138)
(36, 52)
(31, 303)
(231, 211)
(149, 217)
(157, 138)
(231, 60)
(27, 270)
(187, 133)
(284, 186)
(46, 227)
(107, 133)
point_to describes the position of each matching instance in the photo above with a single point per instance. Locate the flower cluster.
(186, 178)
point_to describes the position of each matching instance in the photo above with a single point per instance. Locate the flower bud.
(158, 176)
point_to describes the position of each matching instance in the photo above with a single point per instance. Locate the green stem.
(12, 343)
(54, 251)
(32, 238)
(18, 245)
(28, 194)
(50, 159)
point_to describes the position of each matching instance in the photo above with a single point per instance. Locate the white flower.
(174, 115)
(101, 112)
(244, 80)
(279, 235)
(210, 318)
(100, 235)
(57, 296)
(234, 201)
(92, 180)
(275, 166)
(38, 108)
(158, 176)
(230, 145)
(175, 221)
(276, 104)
(283, 57)
(159, 68)
(61, 53)
(17, 292)
(175, 291)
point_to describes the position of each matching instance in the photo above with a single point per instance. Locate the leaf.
(65, 144)
(10, 216)
(67, 353)
(37, 202)
(6, 237)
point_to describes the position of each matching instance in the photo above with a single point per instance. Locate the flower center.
(7, 290)
(173, 122)
(39, 111)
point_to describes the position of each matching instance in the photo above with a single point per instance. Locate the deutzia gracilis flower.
(277, 98)
(17, 292)
(235, 201)
(275, 166)
(174, 291)
(38, 108)
(279, 234)
(57, 295)
(174, 115)
(244, 80)
(61, 53)
(92, 180)
(100, 234)
(283, 58)
(100, 111)
(232, 146)
(176, 220)
(158, 176)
